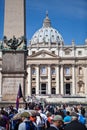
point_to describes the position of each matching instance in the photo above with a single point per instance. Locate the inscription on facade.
(13, 61)
(10, 88)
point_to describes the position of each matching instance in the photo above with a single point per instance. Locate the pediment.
(67, 49)
(43, 54)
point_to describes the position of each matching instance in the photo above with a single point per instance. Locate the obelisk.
(13, 52)
(14, 18)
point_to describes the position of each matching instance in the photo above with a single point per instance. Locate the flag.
(19, 95)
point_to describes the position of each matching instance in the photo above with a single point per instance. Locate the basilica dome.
(47, 34)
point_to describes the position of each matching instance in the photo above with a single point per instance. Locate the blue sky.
(69, 17)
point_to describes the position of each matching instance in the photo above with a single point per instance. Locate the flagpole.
(19, 95)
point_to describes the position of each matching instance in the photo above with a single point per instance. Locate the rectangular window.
(33, 71)
(53, 52)
(53, 72)
(67, 71)
(67, 52)
(53, 78)
(33, 78)
(33, 52)
(79, 52)
(43, 70)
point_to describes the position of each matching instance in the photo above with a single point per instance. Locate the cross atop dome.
(47, 13)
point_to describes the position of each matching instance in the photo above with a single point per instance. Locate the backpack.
(29, 125)
(82, 119)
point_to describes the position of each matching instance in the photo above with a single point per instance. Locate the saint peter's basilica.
(45, 67)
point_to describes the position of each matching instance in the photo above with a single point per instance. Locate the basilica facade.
(54, 68)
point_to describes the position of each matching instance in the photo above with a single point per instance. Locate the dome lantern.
(47, 22)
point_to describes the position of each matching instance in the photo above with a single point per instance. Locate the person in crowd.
(49, 117)
(2, 128)
(14, 124)
(41, 120)
(4, 120)
(33, 118)
(67, 118)
(75, 124)
(26, 124)
(83, 111)
(81, 118)
(57, 123)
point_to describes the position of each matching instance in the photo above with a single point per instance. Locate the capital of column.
(73, 65)
(61, 65)
(57, 65)
(37, 65)
(49, 65)
(29, 65)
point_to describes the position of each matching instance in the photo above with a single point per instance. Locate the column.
(29, 79)
(0, 84)
(49, 79)
(73, 80)
(85, 80)
(37, 80)
(57, 79)
(62, 80)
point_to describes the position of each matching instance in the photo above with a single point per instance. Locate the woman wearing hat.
(26, 123)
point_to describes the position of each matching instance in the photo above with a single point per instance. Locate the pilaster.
(73, 80)
(37, 80)
(57, 79)
(62, 80)
(49, 79)
(29, 81)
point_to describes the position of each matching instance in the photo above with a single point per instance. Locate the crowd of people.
(47, 117)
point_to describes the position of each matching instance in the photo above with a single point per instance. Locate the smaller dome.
(86, 41)
(47, 34)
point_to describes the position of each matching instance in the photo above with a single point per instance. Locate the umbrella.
(18, 115)
(31, 112)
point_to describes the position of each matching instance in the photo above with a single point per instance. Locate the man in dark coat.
(75, 124)
(56, 123)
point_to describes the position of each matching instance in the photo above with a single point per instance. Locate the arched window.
(53, 91)
(33, 90)
(81, 87)
(67, 71)
(53, 72)
(33, 71)
(80, 70)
